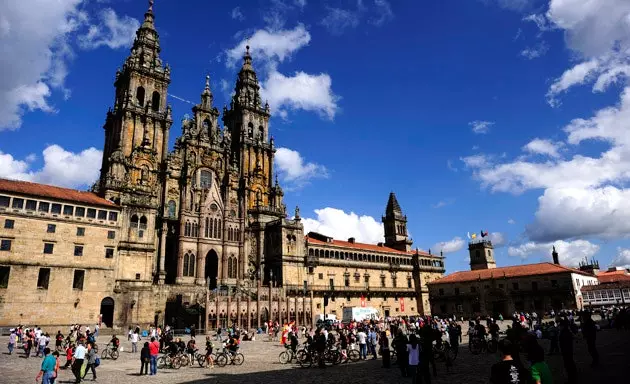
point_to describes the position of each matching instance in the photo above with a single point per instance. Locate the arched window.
(211, 227)
(205, 229)
(187, 228)
(140, 96)
(261, 132)
(207, 127)
(250, 130)
(195, 230)
(155, 101)
(143, 223)
(317, 253)
(189, 264)
(205, 179)
(310, 252)
(171, 208)
(219, 236)
(232, 264)
(133, 223)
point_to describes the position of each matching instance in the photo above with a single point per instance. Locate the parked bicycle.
(167, 361)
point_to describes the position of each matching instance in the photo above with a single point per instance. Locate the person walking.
(91, 362)
(56, 370)
(589, 331)
(77, 361)
(145, 358)
(508, 370)
(47, 368)
(154, 348)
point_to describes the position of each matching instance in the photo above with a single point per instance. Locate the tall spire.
(149, 18)
(247, 90)
(393, 208)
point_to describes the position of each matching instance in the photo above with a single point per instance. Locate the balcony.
(352, 289)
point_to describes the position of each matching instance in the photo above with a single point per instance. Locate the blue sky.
(501, 115)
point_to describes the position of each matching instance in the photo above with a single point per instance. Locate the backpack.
(97, 362)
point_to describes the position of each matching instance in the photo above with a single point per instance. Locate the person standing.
(91, 362)
(12, 340)
(77, 361)
(154, 348)
(400, 345)
(508, 370)
(589, 331)
(384, 347)
(145, 358)
(134, 342)
(413, 350)
(373, 343)
(362, 339)
(566, 348)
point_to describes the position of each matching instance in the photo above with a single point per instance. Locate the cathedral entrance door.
(212, 268)
(107, 311)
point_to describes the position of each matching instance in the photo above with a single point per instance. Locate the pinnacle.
(392, 205)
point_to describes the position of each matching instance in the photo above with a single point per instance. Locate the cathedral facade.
(195, 235)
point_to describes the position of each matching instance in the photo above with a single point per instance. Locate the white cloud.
(543, 147)
(481, 127)
(622, 259)
(570, 253)
(384, 10)
(300, 3)
(497, 238)
(511, 221)
(61, 167)
(340, 225)
(111, 31)
(536, 51)
(540, 20)
(338, 20)
(443, 203)
(450, 246)
(237, 14)
(301, 91)
(577, 75)
(270, 45)
(34, 52)
(294, 170)
(476, 161)
(580, 212)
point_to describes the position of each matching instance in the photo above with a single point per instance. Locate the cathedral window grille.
(171, 208)
(189, 264)
(133, 223)
(205, 179)
(143, 223)
(140, 96)
(155, 101)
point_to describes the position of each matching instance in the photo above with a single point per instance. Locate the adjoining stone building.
(488, 290)
(196, 235)
(613, 287)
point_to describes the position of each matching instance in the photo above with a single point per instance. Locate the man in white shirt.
(77, 360)
(362, 340)
(134, 342)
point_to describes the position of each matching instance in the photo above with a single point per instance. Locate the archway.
(212, 268)
(107, 311)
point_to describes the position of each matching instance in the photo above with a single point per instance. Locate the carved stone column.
(201, 266)
(162, 263)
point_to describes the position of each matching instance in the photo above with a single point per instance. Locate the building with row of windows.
(613, 287)
(488, 290)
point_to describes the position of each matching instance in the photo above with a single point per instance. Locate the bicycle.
(287, 355)
(204, 361)
(353, 354)
(225, 357)
(110, 352)
(167, 361)
(478, 345)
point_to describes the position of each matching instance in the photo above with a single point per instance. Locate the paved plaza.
(262, 366)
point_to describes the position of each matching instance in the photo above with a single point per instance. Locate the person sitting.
(115, 342)
(294, 341)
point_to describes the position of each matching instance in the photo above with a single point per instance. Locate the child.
(145, 356)
(69, 354)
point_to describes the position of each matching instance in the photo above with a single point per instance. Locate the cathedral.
(206, 203)
(194, 235)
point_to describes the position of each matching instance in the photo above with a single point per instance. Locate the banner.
(363, 301)
(402, 304)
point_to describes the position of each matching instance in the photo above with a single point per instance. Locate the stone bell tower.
(481, 255)
(395, 224)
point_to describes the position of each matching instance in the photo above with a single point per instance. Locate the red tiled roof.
(52, 192)
(511, 271)
(608, 285)
(611, 276)
(365, 247)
